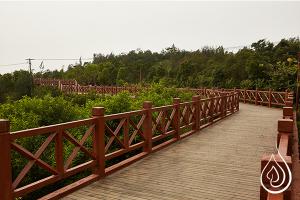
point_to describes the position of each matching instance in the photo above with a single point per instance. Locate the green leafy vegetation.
(31, 112)
(263, 65)
(49, 107)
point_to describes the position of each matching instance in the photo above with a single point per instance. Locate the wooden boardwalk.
(221, 162)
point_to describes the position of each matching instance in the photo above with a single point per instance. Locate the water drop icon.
(279, 176)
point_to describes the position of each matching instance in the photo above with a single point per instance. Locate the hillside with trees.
(263, 65)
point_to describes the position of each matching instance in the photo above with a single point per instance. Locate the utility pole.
(31, 76)
(80, 61)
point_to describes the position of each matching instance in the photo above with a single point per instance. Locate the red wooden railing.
(268, 98)
(104, 139)
(71, 86)
(286, 126)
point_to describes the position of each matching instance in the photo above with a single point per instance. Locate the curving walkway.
(219, 162)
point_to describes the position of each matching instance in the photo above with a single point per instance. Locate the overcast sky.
(79, 29)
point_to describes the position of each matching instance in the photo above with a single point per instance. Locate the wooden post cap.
(287, 111)
(196, 98)
(4, 125)
(147, 104)
(98, 111)
(285, 125)
(176, 100)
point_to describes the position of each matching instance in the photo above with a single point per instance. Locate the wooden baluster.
(147, 126)
(99, 137)
(5, 161)
(59, 151)
(256, 94)
(270, 98)
(126, 132)
(196, 105)
(238, 101)
(235, 99)
(211, 108)
(201, 113)
(232, 102)
(176, 119)
(222, 104)
(286, 94)
(245, 91)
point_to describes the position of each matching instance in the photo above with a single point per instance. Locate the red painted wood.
(5, 162)
(179, 116)
(147, 126)
(99, 145)
(176, 120)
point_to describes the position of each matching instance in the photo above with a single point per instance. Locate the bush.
(33, 112)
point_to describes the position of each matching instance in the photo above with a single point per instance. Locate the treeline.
(264, 65)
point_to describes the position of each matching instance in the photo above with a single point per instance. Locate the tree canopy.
(263, 65)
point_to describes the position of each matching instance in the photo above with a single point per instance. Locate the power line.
(44, 59)
(4, 65)
(63, 59)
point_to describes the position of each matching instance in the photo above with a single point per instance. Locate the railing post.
(232, 102)
(176, 105)
(211, 108)
(147, 126)
(225, 96)
(6, 192)
(236, 99)
(286, 94)
(245, 95)
(270, 97)
(99, 144)
(196, 104)
(256, 94)
(222, 105)
(287, 112)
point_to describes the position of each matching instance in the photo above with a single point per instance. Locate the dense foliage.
(263, 65)
(47, 107)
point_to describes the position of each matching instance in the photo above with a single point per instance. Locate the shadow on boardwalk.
(219, 162)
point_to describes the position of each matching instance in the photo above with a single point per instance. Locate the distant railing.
(107, 142)
(71, 86)
(286, 126)
(268, 98)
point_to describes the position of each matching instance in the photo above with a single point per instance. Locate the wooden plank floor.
(221, 162)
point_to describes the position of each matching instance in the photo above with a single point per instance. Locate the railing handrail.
(285, 132)
(150, 132)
